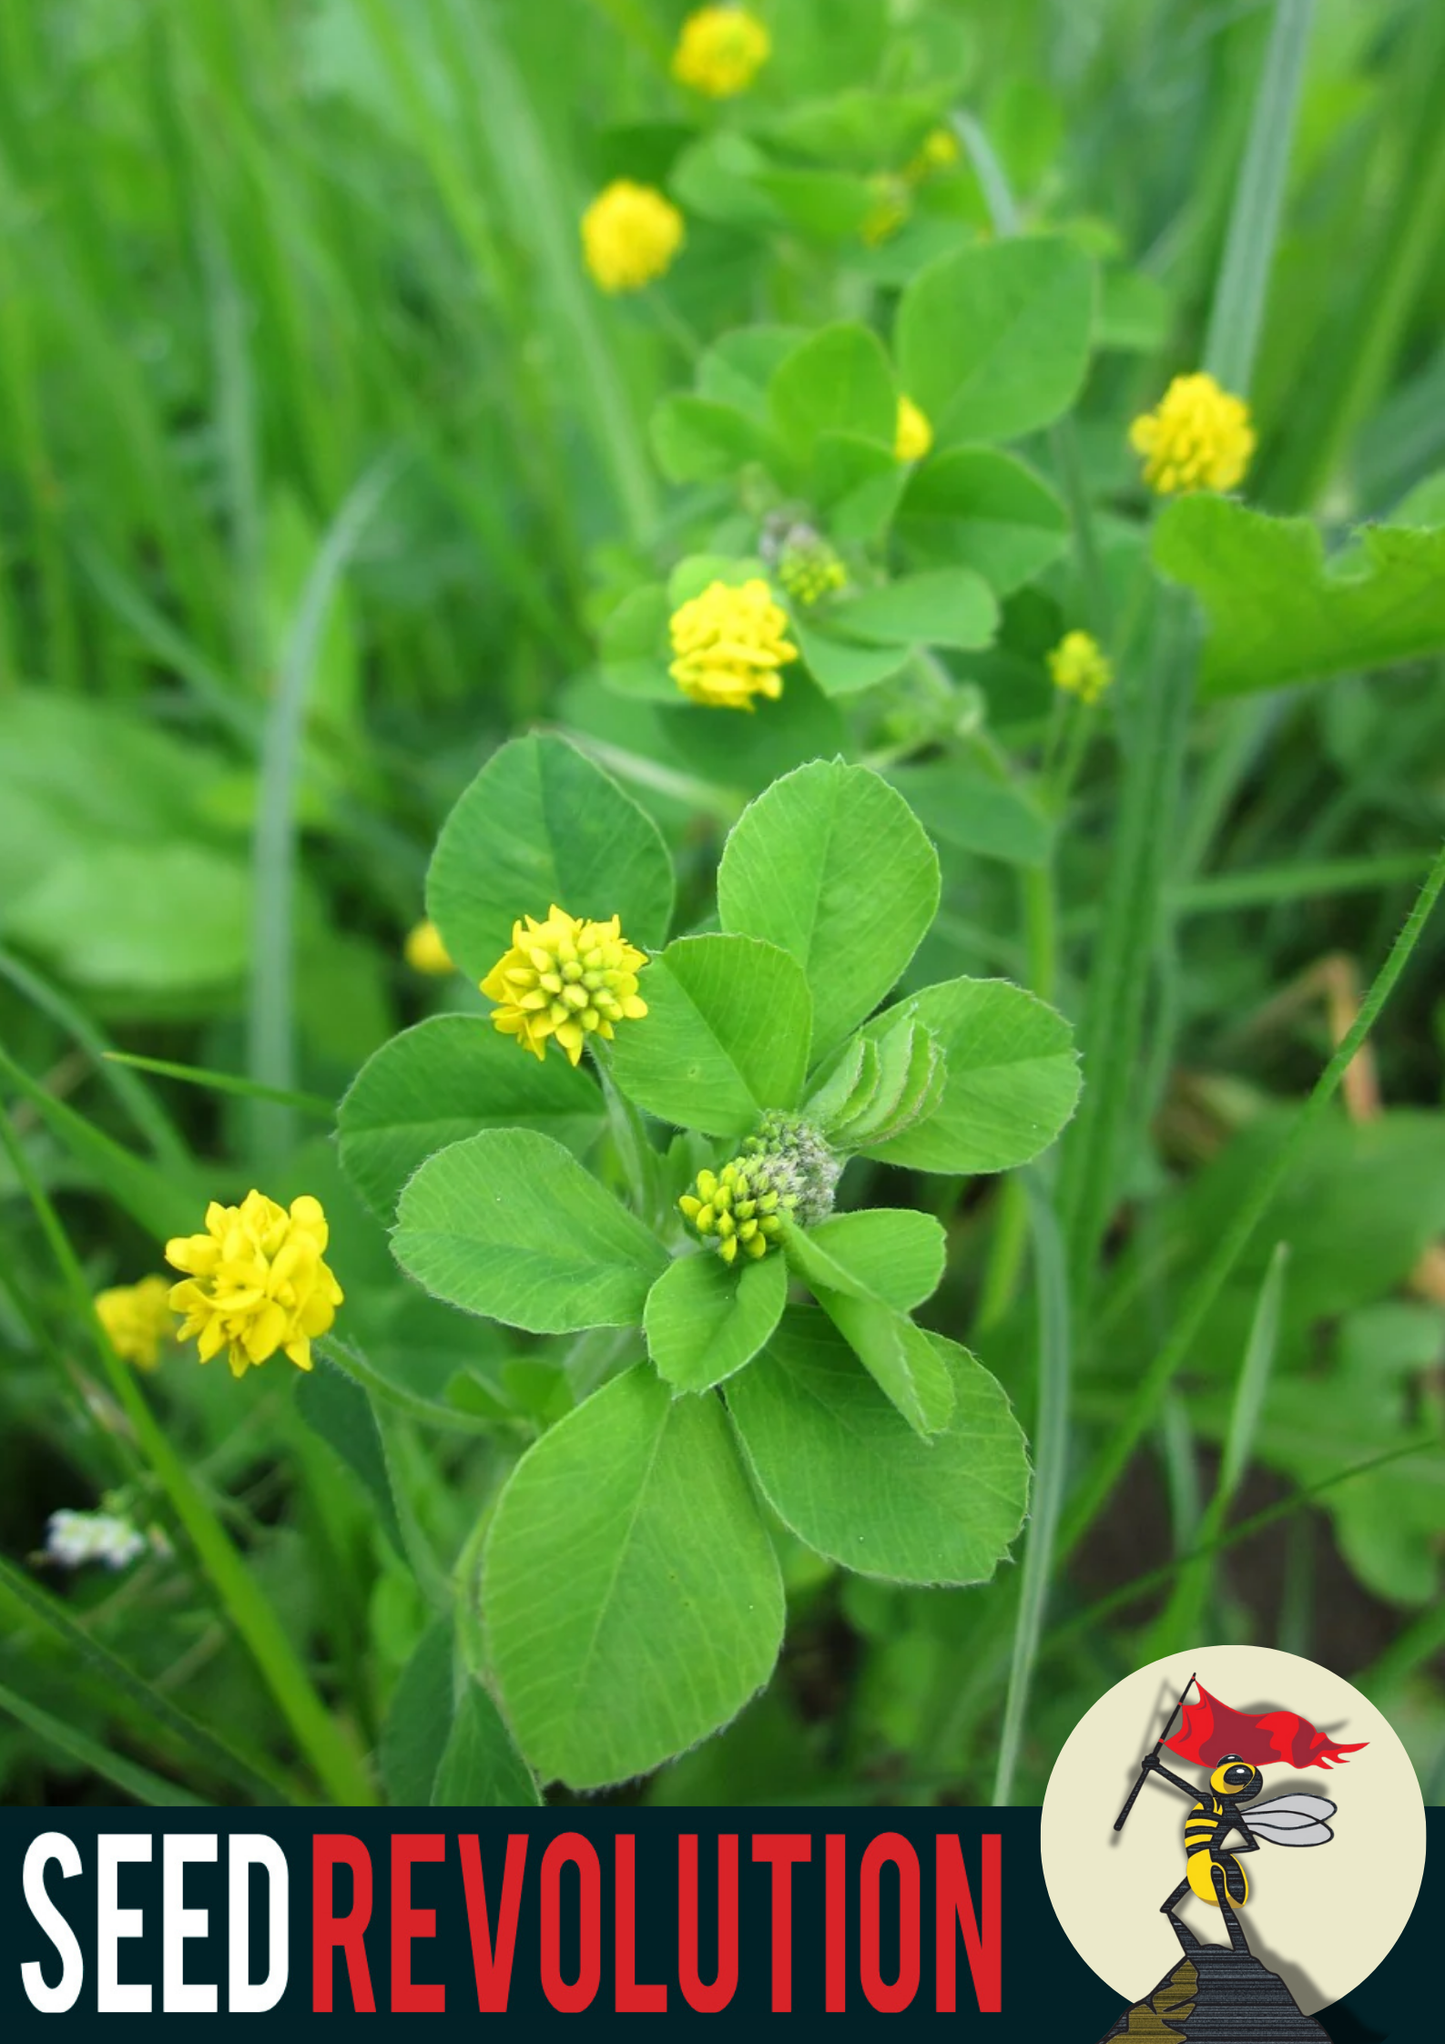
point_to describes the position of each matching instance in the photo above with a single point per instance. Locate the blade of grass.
(163, 1202)
(1140, 1413)
(339, 1770)
(1154, 729)
(224, 1082)
(1182, 1620)
(270, 1019)
(131, 1779)
(1051, 1449)
(140, 1103)
(546, 216)
(1237, 314)
(171, 1724)
(1085, 1623)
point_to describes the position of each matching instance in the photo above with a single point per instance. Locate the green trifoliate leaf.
(541, 824)
(985, 508)
(941, 607)
(993, 340)
(1011, 1083)
(840, 1468)
(509, 1225)
(832, 865)
(725, 1037)
(704, 1320)
(447, 1078)
(894, 1352)
(480, 1768)
(630, 1591)
(895, 1252)
(839, 379)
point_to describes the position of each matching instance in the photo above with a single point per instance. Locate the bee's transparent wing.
(1292, 1820)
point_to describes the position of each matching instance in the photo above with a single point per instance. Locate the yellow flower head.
(630, 234)
(914, 434)
(1198, 437)
(738, 1208)
(730, 644)
(138, 1319)
(257, 1282)
(564, 979)
(720, 51)
(425, 951)
(1078, 666)
(937, 152)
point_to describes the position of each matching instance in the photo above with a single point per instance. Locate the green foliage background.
(325, 471)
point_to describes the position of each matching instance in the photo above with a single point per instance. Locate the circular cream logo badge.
(1232, 1836)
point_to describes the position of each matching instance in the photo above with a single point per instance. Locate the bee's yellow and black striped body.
(1202, 1839)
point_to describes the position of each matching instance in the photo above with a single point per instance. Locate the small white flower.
(73, 1538)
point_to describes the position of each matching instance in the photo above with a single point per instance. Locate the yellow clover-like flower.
(914, 434)
(630, 234)
(937, 152)
(738, 1208)
(1198, 437)
(138, 1318)
(257, 1282)
(425, 951)
(730, 643)
(720, 51)
(1080, 667)
(565, 980)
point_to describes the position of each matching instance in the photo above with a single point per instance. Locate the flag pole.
(1143, 1765)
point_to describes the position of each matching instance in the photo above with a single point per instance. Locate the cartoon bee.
(1215, 1875)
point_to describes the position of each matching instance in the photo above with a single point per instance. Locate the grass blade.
(171, 1724)
(225, 1082)
(1237, 314)
(126, 1775)
(1183, 1618)
(1051, 1443)
(270, 1045)
(1144, 1404)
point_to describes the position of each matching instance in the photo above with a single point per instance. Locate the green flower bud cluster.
(799, 1163)
(739, 1208)
(802, 561)
(880, 1086)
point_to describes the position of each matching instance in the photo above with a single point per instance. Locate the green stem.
(1140, 1412)
(338, 1769)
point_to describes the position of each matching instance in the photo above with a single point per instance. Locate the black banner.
(937, 1915)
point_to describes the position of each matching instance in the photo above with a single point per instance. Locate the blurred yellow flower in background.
(1198, 437)
(630, 234)
(138, 1318)
(1078, 666)
(425, 951)
(720, 51)
(730, 643)
(914, 435)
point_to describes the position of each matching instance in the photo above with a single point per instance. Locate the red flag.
(1211, 1729)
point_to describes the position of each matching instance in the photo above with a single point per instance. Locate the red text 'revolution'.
(877, 1917)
